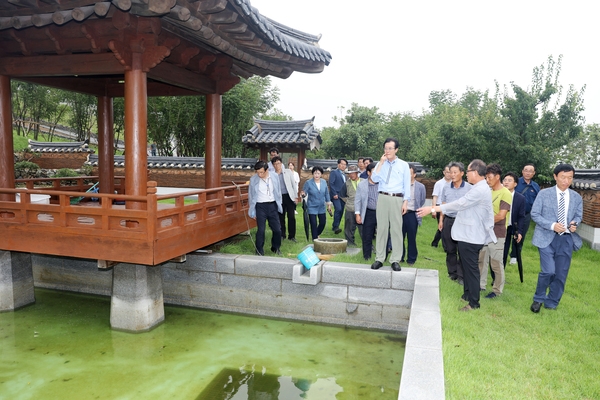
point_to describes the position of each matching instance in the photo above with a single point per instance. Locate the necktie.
(561, 210)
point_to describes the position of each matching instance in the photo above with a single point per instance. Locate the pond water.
(62, 347)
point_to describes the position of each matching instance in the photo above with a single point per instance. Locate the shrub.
(66, 173)
(26, 169)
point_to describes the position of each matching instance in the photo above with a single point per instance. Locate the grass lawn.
(503, 350)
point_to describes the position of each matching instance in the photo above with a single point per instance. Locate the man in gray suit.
(556, 211)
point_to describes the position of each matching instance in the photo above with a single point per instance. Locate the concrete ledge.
(16, 280)
(423, 368)
(265, 267)
(356, 274)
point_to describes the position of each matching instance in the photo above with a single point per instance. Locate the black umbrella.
(305, 214)
(519, 259)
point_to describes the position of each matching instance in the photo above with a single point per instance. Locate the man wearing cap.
(348, 194)
(393, 176)
(410, 220)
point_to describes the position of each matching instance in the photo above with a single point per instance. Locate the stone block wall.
(60, 160)
(343, 294)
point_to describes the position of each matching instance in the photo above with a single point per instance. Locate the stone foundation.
(16, 280)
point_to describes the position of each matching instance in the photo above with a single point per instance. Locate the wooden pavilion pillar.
(212, 175)
(301, 158)
(136, 119)
(7, 165)
(264, 154)
(106, 138)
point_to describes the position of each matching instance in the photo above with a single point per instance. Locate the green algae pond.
(62, 347)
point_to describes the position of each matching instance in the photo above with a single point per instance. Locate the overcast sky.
(391, 54)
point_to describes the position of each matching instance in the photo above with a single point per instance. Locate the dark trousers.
(469, 254)
(267, 212)
(288, 210)
(350, 226)
(438, 234)
(410, 226)
(453, 258)
(314, 229)
(526, 223)
(369, 226)
(338, 212)
(555, 261)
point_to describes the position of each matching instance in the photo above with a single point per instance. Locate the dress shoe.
(337, 231)
(460, 281)
(535, 307)
(258, 253)
(276, 251)
(550, 308)
(491, 295)
(396, 266)
(434, 245)
(463, 298)
(410, 265)
(376, 265)
(293, 240)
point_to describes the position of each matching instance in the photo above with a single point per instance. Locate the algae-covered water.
(62, 347)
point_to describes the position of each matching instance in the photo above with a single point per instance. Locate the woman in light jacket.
(318, 197)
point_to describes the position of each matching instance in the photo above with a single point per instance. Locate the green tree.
(83, 109)
(584, 150)
(360, 134)
(538, 124)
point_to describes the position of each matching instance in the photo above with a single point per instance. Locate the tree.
(538, 124)
(177, 124)
(83, 113)
(583, 151)
(360, 134)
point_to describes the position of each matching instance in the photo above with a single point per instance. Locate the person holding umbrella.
(318, 197)
(516, 223)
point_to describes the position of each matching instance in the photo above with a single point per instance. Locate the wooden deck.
(150, 234)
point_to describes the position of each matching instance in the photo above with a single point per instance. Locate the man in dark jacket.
(517, 213)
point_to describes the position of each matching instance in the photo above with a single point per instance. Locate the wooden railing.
(150, 233)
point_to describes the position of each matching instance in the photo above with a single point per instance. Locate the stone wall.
(59, 160)
(331, 293)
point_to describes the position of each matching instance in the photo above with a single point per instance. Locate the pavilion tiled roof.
(287, 134)
(587, 179)
(59, 147)
(181, 162)
(256, 44)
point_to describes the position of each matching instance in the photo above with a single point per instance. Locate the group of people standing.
(273, 195)
(369, 194)
(478, 221)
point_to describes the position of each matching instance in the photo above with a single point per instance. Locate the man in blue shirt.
(393, 176)
(530, 189)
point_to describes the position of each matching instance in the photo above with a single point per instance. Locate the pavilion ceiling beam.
(64, 65)
(172, 75)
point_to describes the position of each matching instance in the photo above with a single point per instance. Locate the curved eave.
(256, 44)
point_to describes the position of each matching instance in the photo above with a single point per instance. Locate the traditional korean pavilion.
(132, 49)
(286, 136)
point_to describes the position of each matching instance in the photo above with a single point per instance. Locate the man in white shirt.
(436, 200)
